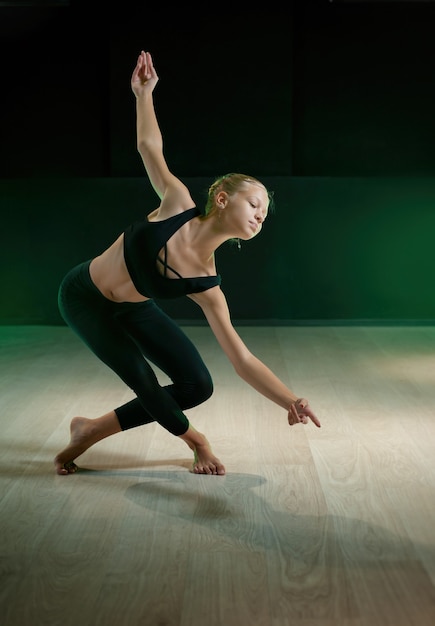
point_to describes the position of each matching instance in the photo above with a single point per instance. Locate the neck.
(209, 236)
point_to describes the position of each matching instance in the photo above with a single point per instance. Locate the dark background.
(331, 104)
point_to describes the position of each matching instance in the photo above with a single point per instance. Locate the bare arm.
(246, 364)
(172, 192)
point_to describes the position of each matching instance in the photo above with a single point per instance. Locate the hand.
(300, 413)
(144, 77)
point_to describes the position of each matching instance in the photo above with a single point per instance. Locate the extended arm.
(173, 193)
(246, 364)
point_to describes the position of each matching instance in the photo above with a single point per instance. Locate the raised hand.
(144, 75)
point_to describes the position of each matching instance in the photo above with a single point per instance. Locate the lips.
(254, 226)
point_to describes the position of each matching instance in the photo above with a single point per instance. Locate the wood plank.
(310, 527)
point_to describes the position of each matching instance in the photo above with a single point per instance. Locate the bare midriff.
(109, 274)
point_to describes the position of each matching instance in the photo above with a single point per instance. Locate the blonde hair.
(231, 183)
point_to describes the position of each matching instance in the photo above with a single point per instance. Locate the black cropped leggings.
(125, 336)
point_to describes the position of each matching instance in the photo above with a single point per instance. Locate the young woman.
(109, 301)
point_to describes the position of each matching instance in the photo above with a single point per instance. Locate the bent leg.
(168, 347)
(164, 343)
(98, 322)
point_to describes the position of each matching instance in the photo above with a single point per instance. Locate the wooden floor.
(310, 527)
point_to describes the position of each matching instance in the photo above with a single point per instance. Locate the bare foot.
(81, 440)
(205, 462)
(84, 433)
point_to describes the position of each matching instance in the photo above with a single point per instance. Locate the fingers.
(144, 70)
(300, 413)
(142, 66)
(315, 421)
(293, 415)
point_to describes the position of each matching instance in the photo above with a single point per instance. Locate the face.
(246, 210)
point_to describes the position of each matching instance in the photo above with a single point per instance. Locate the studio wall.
(329, 103)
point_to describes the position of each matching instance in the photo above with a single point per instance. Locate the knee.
(190, 393)
(204, 387)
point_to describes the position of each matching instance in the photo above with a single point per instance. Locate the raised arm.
(246, 364)
(173, 193)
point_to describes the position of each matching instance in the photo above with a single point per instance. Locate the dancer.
(109, 300)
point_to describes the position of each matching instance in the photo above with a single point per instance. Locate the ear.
(221, 199)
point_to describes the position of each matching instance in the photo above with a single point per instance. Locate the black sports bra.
(143, 241)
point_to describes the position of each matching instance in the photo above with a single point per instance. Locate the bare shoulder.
(211, 300)
(176, 199)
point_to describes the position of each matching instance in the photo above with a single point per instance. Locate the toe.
(71, 467)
